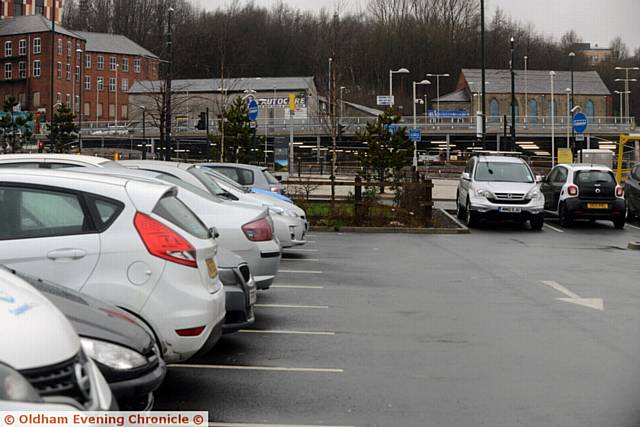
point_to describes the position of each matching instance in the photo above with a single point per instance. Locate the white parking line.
(297, 287)
(290, 306)
(299, 271)
(301, 259)
(557, 230)
(311, 241)
(264, 331)
(633, 226)
(259, 368)
(300, 250)
(311, 235)
(216, 424)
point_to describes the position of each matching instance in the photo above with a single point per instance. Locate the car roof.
(587, 166)
(234, 165)
(500, 159)
(93, 160)
(159, 163)
(63, 173)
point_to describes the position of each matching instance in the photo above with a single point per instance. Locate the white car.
(53, 161)
(42, 365)
(128, 242)
(499, 187)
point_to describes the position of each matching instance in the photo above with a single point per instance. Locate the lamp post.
(167, 142)
(415, 119)
(620, 94)
(116, 112)
(391, 73)
(526, 89)
(552, 74)
(569, 127)
(513, 94)
(437, 76)
(79, 53)
(483, 75)
(626, 81)
(99, 81)
(342, 90)
(572, 57)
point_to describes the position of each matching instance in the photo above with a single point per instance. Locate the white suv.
(499, 187)
(128, 242)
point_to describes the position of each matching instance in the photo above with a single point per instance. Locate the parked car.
(580, 191)
(244, 229)
(54, 161)
(499, 187)
(632, 193)
(42, 363)
(270, 193)
(125, 351)
(131, 243)
(240, 290)
(249, 176)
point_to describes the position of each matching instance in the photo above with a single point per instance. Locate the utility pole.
(513, 95)
(80, 53)
(222, 112)
(167, 142)
(572, 57)
(53, 60)
(483, 76)
(334, 136)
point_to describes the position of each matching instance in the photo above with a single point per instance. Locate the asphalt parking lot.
(502, 327)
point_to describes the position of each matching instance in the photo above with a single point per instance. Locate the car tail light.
(572, 190)
(163, 242)
(258, 231)
(275, 189)
(190, 332)
(619, 191)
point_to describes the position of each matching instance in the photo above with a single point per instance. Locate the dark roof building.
(113, 43)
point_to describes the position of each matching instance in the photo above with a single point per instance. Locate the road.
(411, 330)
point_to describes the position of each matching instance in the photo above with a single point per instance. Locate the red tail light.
(275, 189)
(619, 191)
(572, 190)
(163, 242)
(190, 332)
(258, 231)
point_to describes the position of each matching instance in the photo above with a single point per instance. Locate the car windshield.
(503, 172)
(190, 187)
(210, 184)
(226, 180)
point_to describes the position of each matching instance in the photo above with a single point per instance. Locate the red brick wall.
(7, 8)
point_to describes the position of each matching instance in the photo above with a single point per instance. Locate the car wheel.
(471, 217)
(618, 223)
(459, 209)
(536, 222)
(565, 216)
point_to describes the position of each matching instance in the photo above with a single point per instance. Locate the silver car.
(249, 176)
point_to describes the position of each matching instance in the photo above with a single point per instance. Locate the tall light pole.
(391, 73)
(167, 142)
(99, 80)
(569, 127)
(437, 76)
(415, 119)
(526, 89)
(620, 94)
(79, 54)
(626, 86)
(53, 60)
(342, 89)
(117, 67)
(552, 74)
(483, 76)
(513, 94)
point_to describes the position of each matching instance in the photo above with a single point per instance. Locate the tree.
(388, 151)
(240, 142)
(63, 130)
(15, 132)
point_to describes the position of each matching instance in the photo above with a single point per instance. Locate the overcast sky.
(597, 21)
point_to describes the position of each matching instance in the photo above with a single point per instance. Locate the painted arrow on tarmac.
(573, 298)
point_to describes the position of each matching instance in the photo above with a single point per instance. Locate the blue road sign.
(253, 110)
(393, 127)
(580, 122)
(415, 135)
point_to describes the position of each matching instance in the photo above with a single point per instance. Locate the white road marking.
(258, 368)
(299, 271)
(311, 235)
(301, 259)
(553, 228)
(216, 424)
(264, 331)
(633, 226)
(573, 298)
(311, 241)
(290, 306)
(300, 250)
(297, 287)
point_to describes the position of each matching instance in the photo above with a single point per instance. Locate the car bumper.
(240, 313)
(485, 207)
(290, 231)
(137, 389)
(578, 208)
(264, 261)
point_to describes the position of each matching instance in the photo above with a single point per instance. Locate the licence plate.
(510, 210)
(253, 296)
(212, 268)
(597, 206)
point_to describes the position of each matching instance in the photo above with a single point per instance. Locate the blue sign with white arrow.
(580, 122)
(253, 110)
(393, 127)
(415, 135)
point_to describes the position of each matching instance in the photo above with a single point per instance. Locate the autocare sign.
(283, 102)
(580, 122)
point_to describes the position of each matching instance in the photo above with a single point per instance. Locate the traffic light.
(202, 123)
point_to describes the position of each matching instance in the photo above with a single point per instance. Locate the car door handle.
(71, 254)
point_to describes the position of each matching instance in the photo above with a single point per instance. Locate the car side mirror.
(466, 176)
(213, 233)
(278, 178)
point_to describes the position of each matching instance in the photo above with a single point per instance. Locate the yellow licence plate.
(212, 268)
(597, 206)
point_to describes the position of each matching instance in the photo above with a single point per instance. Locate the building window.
(59, 46)
(68, 73)
(87, 82)
(532, 112)
(18, 8)
(8, 49)
(77, 104)
(124, 113)
(100, 64)
(22, 47)
(36, 68)
(590, 109)
(87, 61)
(59, 98)
(22, 69)
(39, 7)
(100, 84)
(8, 71)
(112, 84)
(36, 99)
(125, 85)
(494, 110)
(59, 70)
(136, 65)
(69, 48)
(77, 73)
(113, 63)
(153, 71)
(87, 109)
(68, 100)
(553, 108)
(112, 110)
(125, 65)
(99, 110)
(37, 46)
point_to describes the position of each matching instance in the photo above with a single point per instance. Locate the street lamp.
(569, 93)
(552, 75)
(342, 90)
(391, 73)
(513, 94)
(526, 88)
(116, 112)
(415, 119)
(620, 94)
(483, 75)
(572, 56)
(437, 76)
(626, 81)
(79, 53)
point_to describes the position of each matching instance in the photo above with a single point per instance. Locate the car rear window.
(177, 213)
(594, 177)
(270, 178)
(241, 176)
(210, 184)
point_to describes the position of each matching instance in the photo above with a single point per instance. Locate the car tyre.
(618, 223)
(471, 217)
(459, 209)
(537, 222)
(565, 217)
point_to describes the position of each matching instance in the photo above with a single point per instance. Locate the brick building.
(13, 8)
(100, 68)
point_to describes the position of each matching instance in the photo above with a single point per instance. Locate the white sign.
(385, 100)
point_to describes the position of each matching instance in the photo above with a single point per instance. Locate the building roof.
(458, 96)
(31, 24)
(113, 43)
(259, 84)
(363, 108)
(499, 81)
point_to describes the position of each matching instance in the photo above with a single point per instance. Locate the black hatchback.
(124, 351)
(632, 194)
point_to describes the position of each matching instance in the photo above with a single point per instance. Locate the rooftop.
(30, 24)
(113, 43)
(259, 84)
